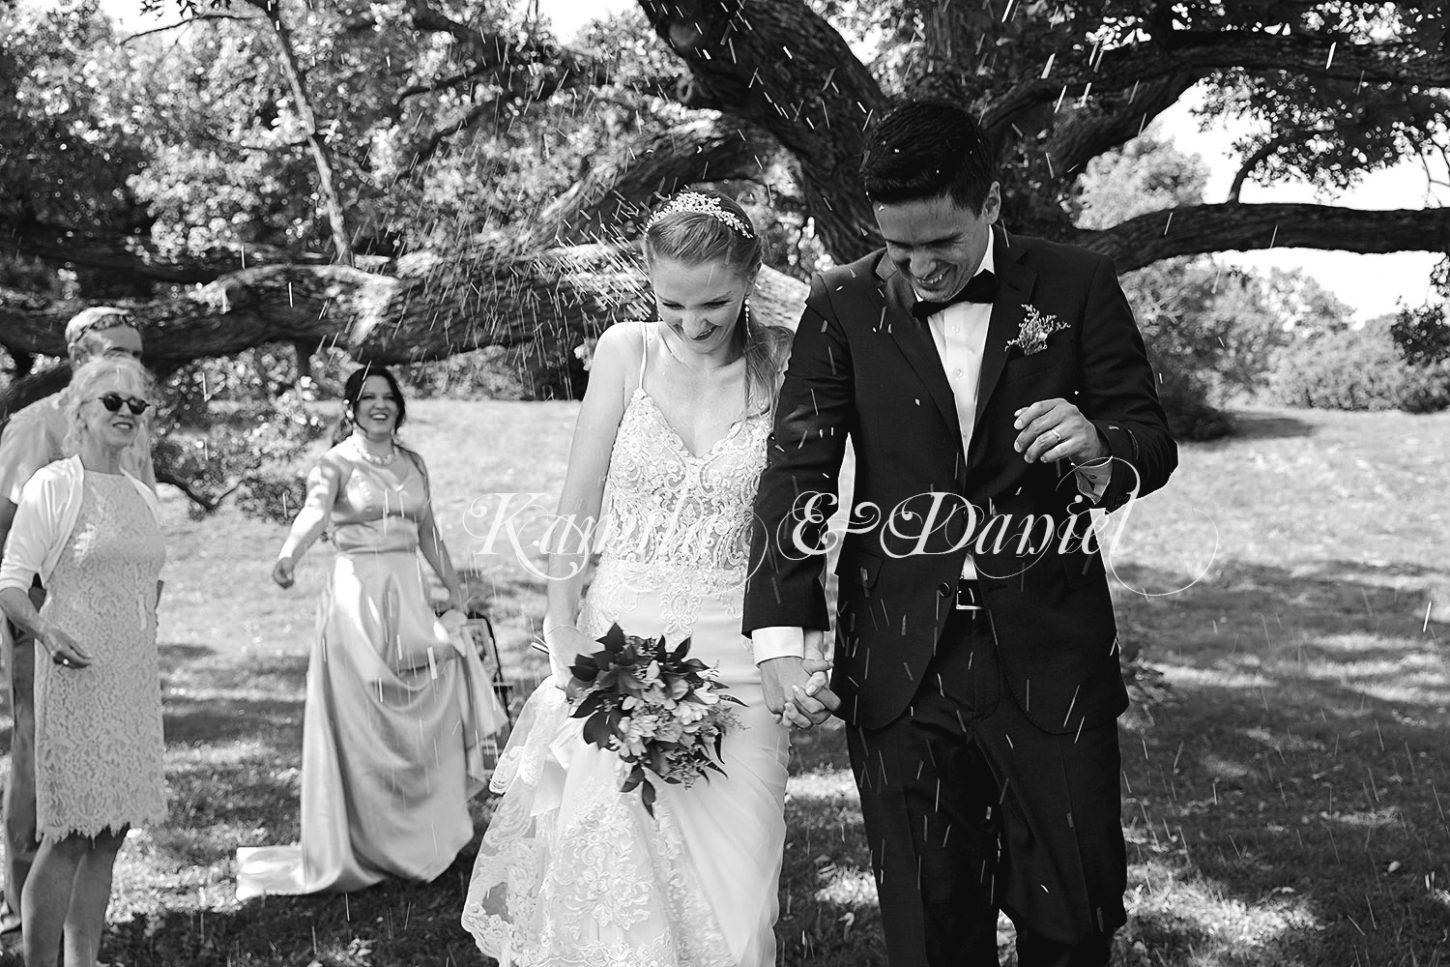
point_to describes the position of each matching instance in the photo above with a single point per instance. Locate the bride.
(667, 453)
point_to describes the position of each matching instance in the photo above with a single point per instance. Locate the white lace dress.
(98, 738)
(572, 873)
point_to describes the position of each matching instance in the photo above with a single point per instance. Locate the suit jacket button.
(946, 589)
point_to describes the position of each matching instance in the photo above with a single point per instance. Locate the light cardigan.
(44, 520)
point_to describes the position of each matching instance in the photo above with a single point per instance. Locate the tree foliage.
(485, 181)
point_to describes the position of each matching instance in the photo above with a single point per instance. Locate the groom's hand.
(817, 702)
(791, 693)
(1056, 430)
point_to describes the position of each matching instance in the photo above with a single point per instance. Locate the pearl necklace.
(375, 461)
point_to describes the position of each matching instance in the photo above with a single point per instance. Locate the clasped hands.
(797, 689)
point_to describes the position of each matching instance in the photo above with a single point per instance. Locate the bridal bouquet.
(658, 709)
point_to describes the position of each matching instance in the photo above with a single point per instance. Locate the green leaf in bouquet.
(597, 731)
(647, 796)
(614, 639)
(681, 650)
(585, 668)
(589, 703)
(635, 778)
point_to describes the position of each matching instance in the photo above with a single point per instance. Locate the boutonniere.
(1035, 328)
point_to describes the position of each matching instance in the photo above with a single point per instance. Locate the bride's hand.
(564, 643)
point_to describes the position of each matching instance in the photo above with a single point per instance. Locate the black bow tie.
(981, 288)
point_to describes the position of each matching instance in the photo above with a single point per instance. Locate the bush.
(1422, 335)
(1185, 392)
(247, 450)
(1360, 369)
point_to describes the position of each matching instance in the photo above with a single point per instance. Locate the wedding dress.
(573, 872)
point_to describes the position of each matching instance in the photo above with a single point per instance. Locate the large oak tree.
(350, 112)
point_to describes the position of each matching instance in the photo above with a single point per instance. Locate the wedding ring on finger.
(1056, 437)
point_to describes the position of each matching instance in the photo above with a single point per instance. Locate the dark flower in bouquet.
(658, 709)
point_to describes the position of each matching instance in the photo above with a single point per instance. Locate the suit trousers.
(17, 810)
(969, 808)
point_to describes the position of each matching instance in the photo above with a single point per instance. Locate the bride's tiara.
(696, 203)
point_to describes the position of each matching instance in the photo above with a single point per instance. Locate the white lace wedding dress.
(573, 873)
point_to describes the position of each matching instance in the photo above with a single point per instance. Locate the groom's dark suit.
(920, 679)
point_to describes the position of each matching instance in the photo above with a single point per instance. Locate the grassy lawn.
(1285, 774)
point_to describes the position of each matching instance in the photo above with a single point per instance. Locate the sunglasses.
(112, 402)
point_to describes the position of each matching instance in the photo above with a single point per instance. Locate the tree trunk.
(316, 141)
(777, 64)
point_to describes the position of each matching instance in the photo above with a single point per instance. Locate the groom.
(995, 388)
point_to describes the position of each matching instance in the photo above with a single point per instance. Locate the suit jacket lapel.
(915, 341)
(1015, 282)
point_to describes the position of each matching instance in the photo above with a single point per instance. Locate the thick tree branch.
(607, 202)
(779, 65)
(434, 307)
(1308, 55)
(1200, 229)
(66, 244)
(1186, 53)
(1094, 131)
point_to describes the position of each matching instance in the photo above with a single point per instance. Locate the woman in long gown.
(88, 529)
(396, 715)
(669, 447)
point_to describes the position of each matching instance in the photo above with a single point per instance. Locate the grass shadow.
(394, 923)
(1252, 425)
(1286, 799)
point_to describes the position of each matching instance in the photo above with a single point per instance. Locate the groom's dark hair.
(927, 149)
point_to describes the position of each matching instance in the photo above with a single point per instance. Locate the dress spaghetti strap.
(644, 335)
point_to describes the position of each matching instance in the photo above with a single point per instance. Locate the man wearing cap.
(34, 437)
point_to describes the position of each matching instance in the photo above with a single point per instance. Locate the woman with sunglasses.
(88, 529)
(396, 716)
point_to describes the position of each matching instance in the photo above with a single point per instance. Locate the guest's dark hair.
(352, 393)
(927, 149)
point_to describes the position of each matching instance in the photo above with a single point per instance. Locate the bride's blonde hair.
(703, 225)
